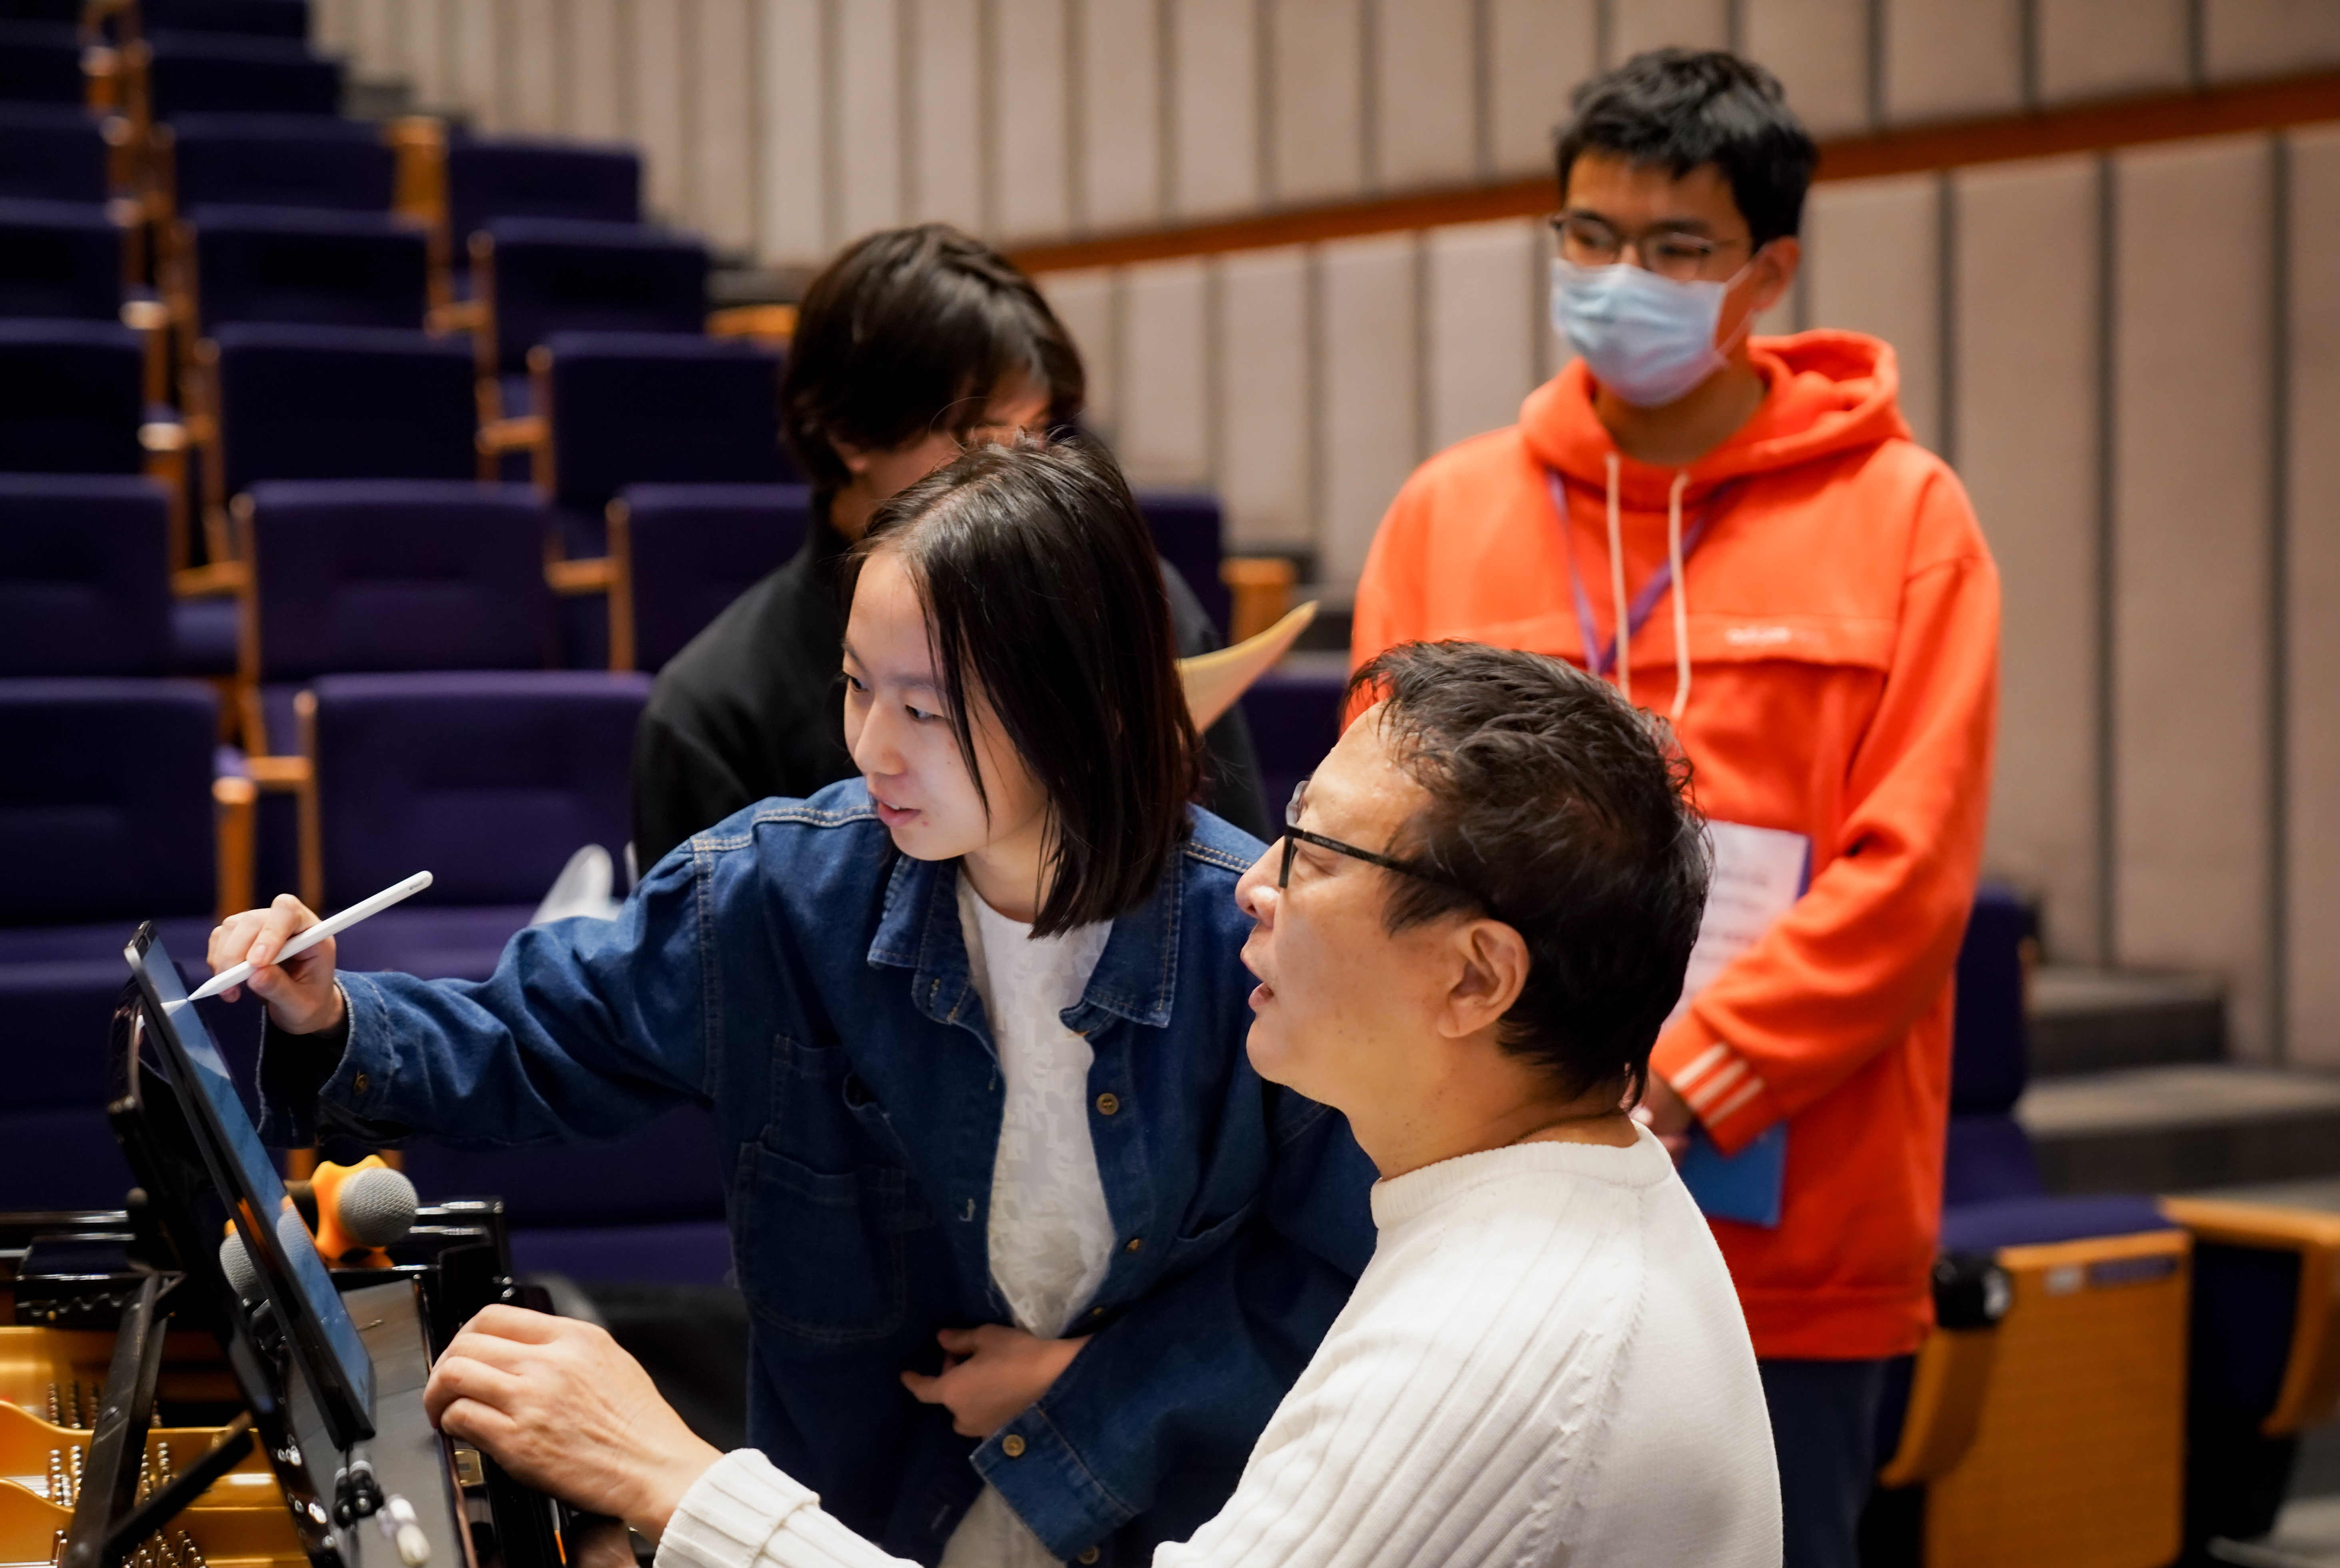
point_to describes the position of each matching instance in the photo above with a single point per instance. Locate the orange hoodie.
(1843, 635)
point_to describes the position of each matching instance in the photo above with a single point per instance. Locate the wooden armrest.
(162, 435)
(146, 315)
(218, 580)
(2310, 1375)
(235, 798)
(521, 433)
(1260, 587)
(279, 773)
(1946, 1395)
(776, 323)
(571, 578)
(457, 316)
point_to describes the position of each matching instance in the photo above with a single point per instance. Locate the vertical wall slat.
(535, 65)
(1480, 365)
(1371, 428)
(1031, 170)
(597, 48)
(1214, 99)
(2103, 48)
(943, 116)
(1163, 419)
(2244, 38)
(867, 117)
(2313, 829)
(660, 50)
(1425, 121)
(1638, 24)
(1317, 89)
(1120, 93)
(723, 122)
(2190, 509)
(1952, 59)
(1264, 398)
(1537, 52)
(1874, 267)
(1819, 50)
(791, 206)
(1085, 301)
(2026, 267)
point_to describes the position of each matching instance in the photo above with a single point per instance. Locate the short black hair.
(1043, 594)
(913, 329)
(1685, 107)
(1560, 809)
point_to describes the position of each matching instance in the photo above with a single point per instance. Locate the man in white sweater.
(1467, 940)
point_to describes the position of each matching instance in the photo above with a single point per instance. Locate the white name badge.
(1759, 875)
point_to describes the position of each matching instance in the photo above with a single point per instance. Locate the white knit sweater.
(1544, 1364)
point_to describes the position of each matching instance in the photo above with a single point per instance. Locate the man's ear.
(1491, 971)
(856, 459)
(1775, 271)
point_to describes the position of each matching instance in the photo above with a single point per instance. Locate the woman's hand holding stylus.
(299, 993)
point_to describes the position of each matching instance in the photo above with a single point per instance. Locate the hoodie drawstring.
(1674, 583)
(1681, 582)
(1617, 585)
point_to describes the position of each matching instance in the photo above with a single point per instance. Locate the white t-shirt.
(1544, 1364)
(1051, 1234)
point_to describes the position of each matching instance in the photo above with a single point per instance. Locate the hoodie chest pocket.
(823, 1257)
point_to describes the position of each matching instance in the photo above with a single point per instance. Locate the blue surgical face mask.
(1648, 339)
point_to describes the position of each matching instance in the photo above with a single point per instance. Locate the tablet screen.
(288, 1263)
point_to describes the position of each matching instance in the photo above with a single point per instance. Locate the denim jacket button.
(1108, 1103)
(358, 1083)
(1012, 1445)
(1135, 1243)
(1090, 1555)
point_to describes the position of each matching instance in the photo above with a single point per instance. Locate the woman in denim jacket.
(1027, 1278)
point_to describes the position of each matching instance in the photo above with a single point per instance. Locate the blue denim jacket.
(789, 966)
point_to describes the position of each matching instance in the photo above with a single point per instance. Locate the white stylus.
(237, 974)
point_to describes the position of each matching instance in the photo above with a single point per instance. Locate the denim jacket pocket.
(822, 1256)
(1196, 1244)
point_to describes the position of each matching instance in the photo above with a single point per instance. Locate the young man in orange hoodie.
(1744, 536)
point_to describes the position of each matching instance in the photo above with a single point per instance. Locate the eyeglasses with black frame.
(1680, 254)
(1294, 835)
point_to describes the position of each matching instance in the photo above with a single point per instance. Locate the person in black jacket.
(911, 344)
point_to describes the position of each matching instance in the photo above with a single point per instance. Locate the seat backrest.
(1295, 713)
(561, 275)
(698, 547)
(40, 63)
(59, 259)
(643, 408)
(670, 1170)
(195, 70)
(105, 805)
(72, 395)
(310, 160)
(52, 153)
(253, 18)
(488, 781)
(84, 576)
(399, 574)
(343, 402)
(491, 177)
(309, 268)
(1990, 1053)
(1188, 531)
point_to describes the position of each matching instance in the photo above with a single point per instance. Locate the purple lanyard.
(1601, 657)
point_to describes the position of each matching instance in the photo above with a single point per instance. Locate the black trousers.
(1824, 1430)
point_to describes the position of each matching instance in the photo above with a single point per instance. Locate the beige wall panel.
(1819, 50)
(1371, 428)
(1316, 96)
(2027, 419)
(662, 99)
(1638, 24)
(1537, 51)
(866, 118)
(1481, 295)
(2269, 37)
(478, 62)
(1119, 152)
(533, 66)
(2105, 48)
(1875, 267)
(2190, 568)
(1031, 169)
(373, 36)
(723, 122)
(1952, 59)
(599, 59)
(944, 116)
(1425, 94)
(335, 24)
(423, 51)
(1086, 303)
(1265, 439)
(1213, 85)
(1164, 418)
(791, 220)
(2314, 787)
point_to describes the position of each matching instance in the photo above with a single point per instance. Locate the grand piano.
(161, 1408)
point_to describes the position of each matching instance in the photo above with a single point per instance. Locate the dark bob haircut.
(1043, 600)
(912, 331)
(1684, 107)
(1561, 809)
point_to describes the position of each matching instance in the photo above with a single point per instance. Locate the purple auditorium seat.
(72, 397)
(488, 781)
(84, 576)
(191, 69)
(378, 575)
(60, 259)
(1188, 529)
(491, 177)
(343, 403)
(53, 153)
(1294, 712)
(295, 266)
(105, 821)
(252, 18)
(692, 548)
(40, 62)
(306, 161)
(549, 275)
(1989, 1157)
